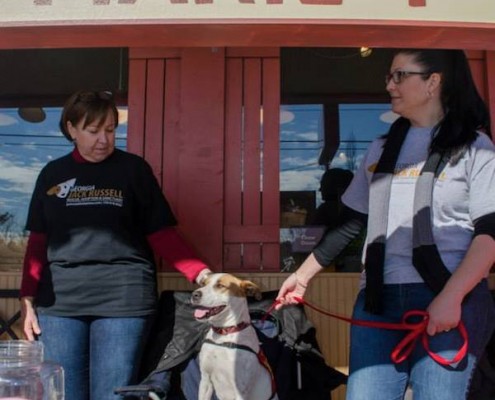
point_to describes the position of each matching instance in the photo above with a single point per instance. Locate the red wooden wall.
(206, 119)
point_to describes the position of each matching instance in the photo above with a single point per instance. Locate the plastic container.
(24, 375)
(52, 378)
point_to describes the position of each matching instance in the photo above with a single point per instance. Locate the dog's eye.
(218, 285)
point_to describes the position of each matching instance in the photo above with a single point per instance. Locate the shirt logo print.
(62, 189)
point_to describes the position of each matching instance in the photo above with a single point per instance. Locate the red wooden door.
(251, 234)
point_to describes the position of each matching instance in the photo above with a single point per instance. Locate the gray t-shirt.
(463, 192)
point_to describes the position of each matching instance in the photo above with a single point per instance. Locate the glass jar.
(52, 378)
(24, 375)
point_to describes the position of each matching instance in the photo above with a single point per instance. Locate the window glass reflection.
(310, 190)
(359, 125)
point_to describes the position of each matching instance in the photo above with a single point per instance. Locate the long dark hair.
(465, 110)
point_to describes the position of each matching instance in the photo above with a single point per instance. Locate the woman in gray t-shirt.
(426, 192)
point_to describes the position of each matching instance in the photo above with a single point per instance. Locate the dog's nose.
(196, 296)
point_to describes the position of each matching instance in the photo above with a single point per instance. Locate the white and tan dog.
(230, 360)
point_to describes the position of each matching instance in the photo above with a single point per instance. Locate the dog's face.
(220, 293)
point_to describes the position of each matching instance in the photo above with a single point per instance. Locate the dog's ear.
(251, 289)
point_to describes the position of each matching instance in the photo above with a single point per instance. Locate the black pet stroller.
(170, 371)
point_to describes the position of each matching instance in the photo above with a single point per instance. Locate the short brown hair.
(89, 106)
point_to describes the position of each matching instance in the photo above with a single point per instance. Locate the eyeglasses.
(398, 76)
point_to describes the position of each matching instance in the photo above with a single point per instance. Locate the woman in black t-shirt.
(89, 288)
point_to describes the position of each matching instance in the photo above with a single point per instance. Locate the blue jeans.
(98, 354)
(373, 376)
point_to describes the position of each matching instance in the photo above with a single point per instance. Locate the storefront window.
(317, 162)
(25, 148)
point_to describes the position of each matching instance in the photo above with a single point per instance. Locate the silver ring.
(446, 330)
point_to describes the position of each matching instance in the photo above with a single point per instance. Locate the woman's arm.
(172, 247)
(34, 261)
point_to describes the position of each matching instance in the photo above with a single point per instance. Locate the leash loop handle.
(461, 353)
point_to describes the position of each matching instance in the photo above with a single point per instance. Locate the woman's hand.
(201, 278)
(445, 309)
(444, 313)
(295, 285)
(291, 289)
(29, 320)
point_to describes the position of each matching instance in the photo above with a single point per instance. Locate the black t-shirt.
(96, 217)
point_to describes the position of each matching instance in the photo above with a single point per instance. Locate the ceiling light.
(32, 114)
(365, 51)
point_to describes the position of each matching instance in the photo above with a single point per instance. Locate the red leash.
(406, 345)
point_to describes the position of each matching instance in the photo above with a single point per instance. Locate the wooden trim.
(153, 143)
(251, 206)
(252, 257)
(137, 92)
(233, 131)
(171, 136)
(271, 257)
(490, 87)
(153, 52)
(251, 233)
(232, 256)
(477, 66)
(475, 54)
(256, 52)
(249, 33)
(271, 142)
